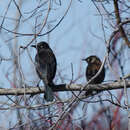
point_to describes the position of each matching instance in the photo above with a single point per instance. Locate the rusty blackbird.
(45, 64)
(94, 64)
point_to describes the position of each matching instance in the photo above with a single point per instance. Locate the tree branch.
(63, 87)
(118, 21)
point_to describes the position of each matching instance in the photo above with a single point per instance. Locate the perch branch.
(64, 87)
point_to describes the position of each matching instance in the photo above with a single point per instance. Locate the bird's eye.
(88, 60)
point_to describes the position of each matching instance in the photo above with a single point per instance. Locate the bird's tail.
(48, 93)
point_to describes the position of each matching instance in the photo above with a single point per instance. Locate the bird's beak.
(83, 59)
(33, 46)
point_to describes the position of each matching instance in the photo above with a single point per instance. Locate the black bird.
(94, 64)
(45, 64)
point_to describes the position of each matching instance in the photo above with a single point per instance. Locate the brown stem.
(118, 21)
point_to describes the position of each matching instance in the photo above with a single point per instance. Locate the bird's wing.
(46, 65)
(41, 67)
(51, 65)
(91, 71)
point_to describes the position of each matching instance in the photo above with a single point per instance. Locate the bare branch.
(118, 19)
(64, 87)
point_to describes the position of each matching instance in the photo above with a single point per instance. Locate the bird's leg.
(38, 85)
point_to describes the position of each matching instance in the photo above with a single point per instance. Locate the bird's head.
(40, 46)
(92, 59)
